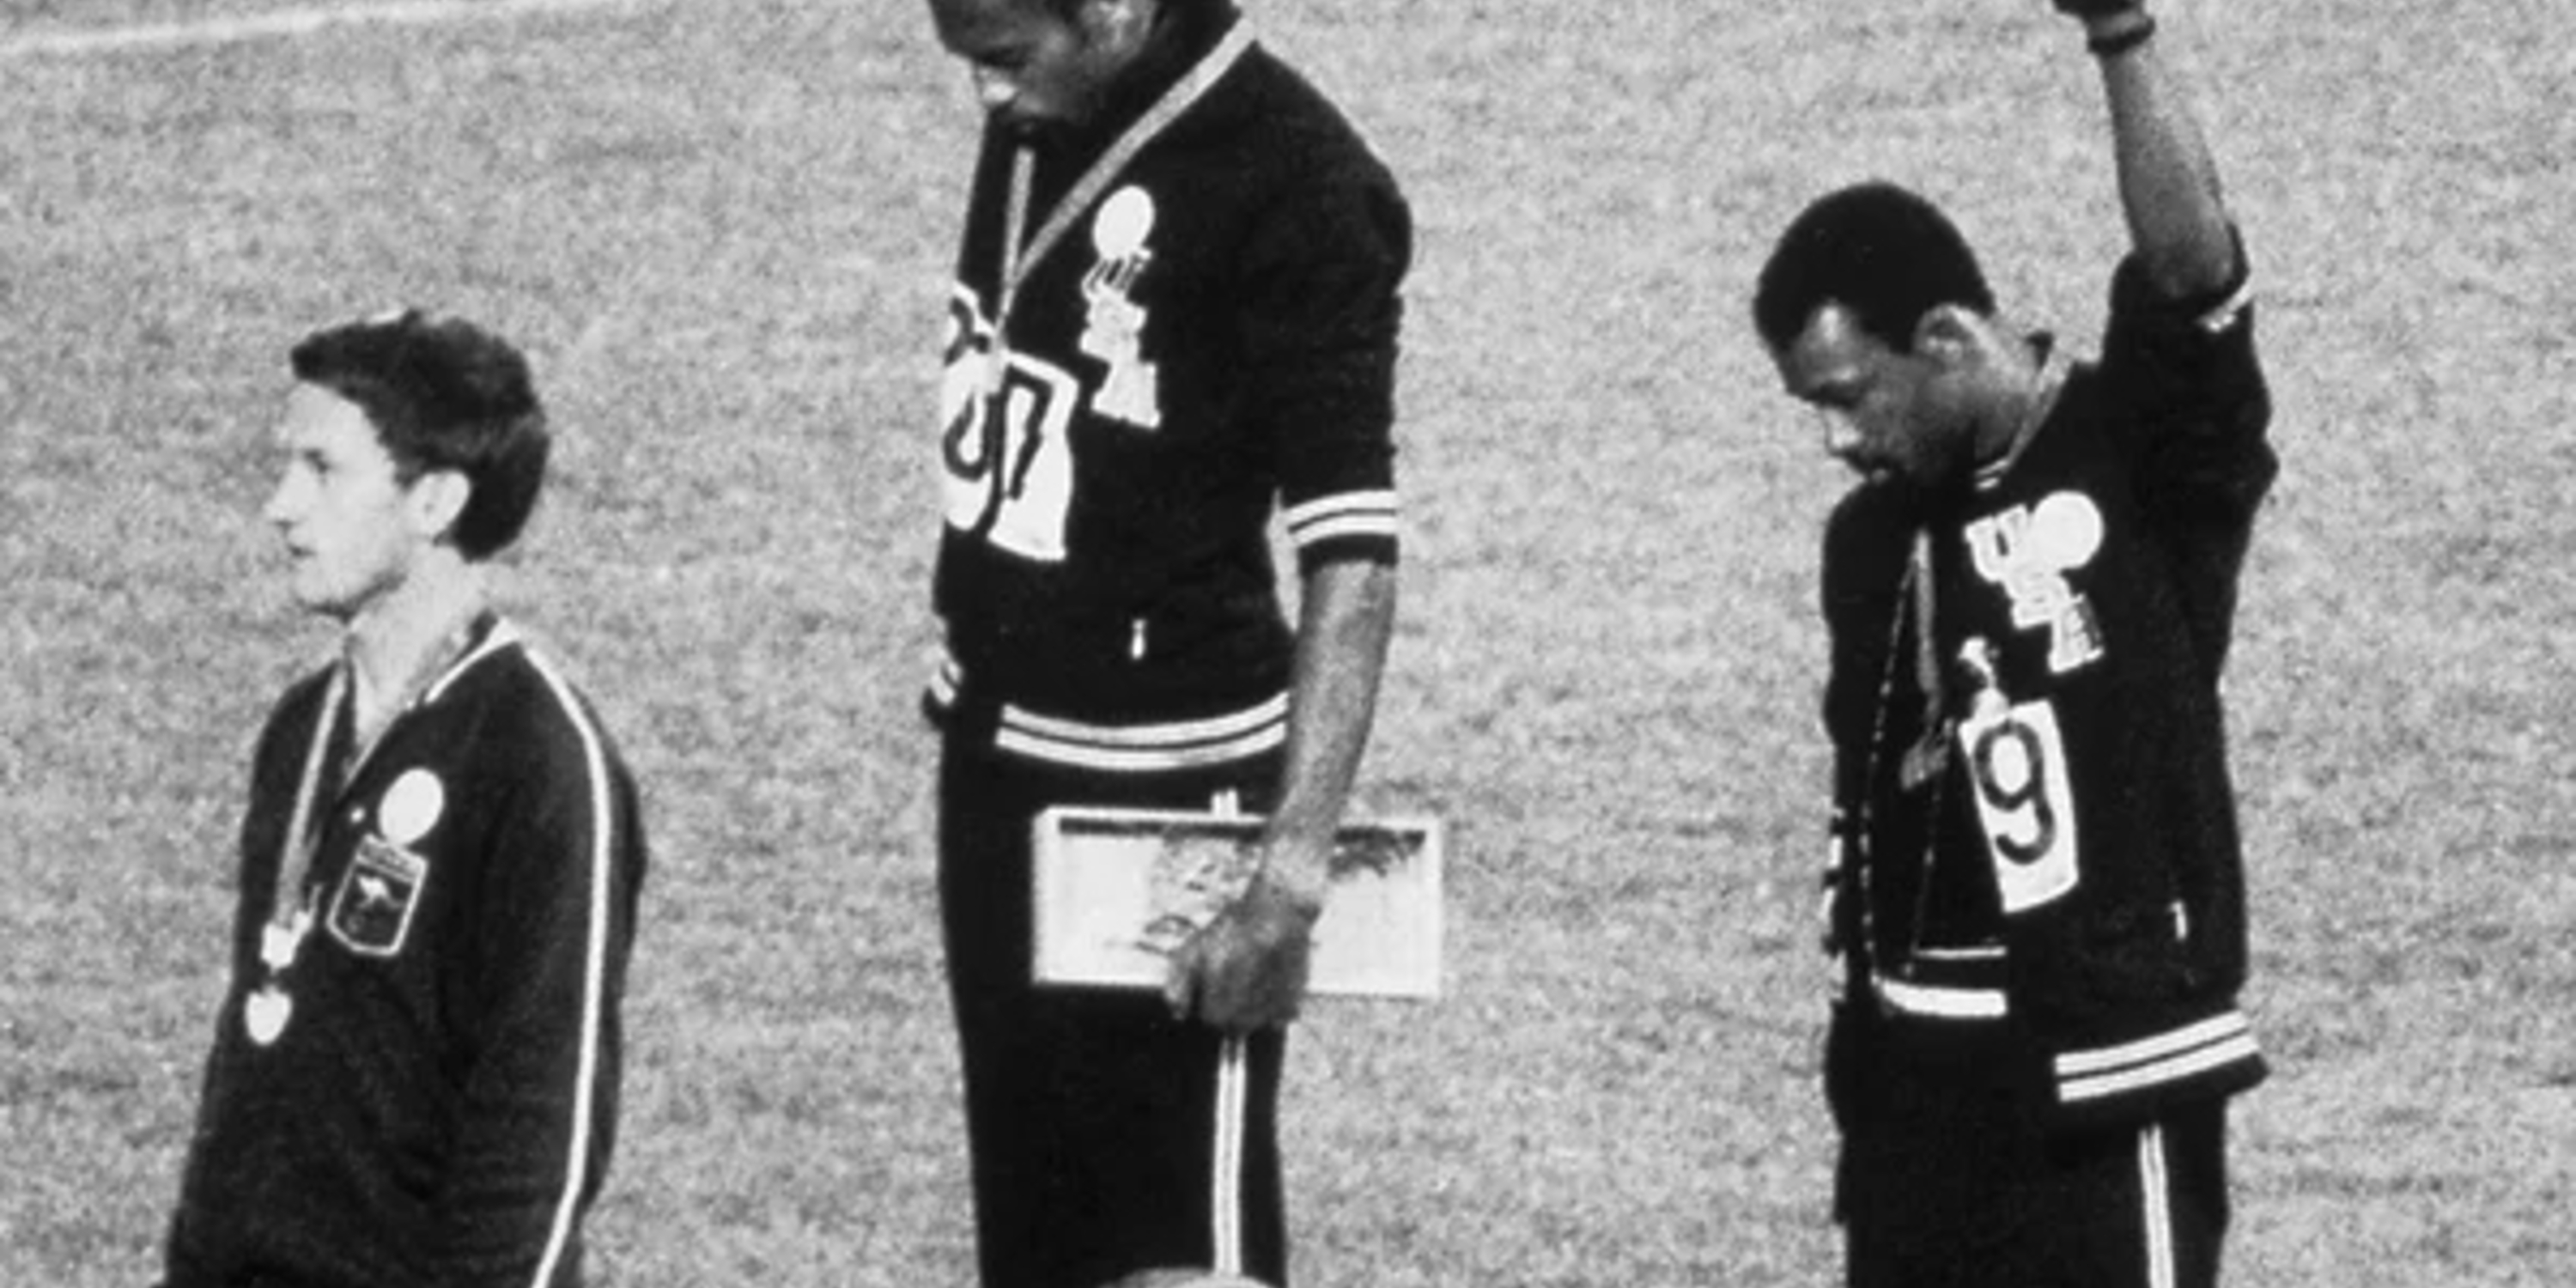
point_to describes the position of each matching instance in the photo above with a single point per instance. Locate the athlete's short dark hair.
(1884, 253)
(443, 394)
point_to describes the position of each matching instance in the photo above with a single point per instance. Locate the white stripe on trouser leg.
(1225, 1181)
(1233, 1086)
(2156, 1191)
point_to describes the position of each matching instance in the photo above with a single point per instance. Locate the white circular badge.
(2065, 531)
(411, 807)
(1124, 222)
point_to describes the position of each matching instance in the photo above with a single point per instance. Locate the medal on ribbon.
(265, 1014)
(266, 1011)
(268, 1008)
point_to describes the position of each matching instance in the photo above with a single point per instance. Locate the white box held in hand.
(1118, 890)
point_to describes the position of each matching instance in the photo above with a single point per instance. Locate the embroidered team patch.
(2028, 551)
(372, 911)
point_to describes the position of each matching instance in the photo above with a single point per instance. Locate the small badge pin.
(411, 807)
(266, 1013)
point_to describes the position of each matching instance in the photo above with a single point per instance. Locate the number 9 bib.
(2017, 762)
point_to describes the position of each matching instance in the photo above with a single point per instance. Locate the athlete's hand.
(1247, 970)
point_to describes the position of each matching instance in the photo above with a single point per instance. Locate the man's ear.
(1949, 334)
(438, 499)
(1118, 26)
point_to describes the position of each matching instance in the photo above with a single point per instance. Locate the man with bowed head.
(415, 1068)
(1175, 315)
(2037, 892)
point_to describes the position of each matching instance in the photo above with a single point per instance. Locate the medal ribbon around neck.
(302, 839)
(1019, 260)
(1920, 765)
(290, 916)
(296, 860)
(290, 913)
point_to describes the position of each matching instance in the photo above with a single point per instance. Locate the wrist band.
(2121, 42)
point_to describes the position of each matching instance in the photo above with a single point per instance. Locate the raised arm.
(2168, 184)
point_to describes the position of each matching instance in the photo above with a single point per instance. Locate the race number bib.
(2017, 764)
(1006, 454)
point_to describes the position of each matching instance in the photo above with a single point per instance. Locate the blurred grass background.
(724, 230)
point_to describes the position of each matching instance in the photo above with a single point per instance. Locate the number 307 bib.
(2017, 763)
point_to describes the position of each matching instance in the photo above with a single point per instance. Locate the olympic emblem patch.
(1114, 326)
(371, 912)
(2028, 551)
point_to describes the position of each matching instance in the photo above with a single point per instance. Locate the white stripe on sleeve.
(603, 832)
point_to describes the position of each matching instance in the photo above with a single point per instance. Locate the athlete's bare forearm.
(2169, 188)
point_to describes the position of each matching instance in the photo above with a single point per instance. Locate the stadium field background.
(723, 228)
